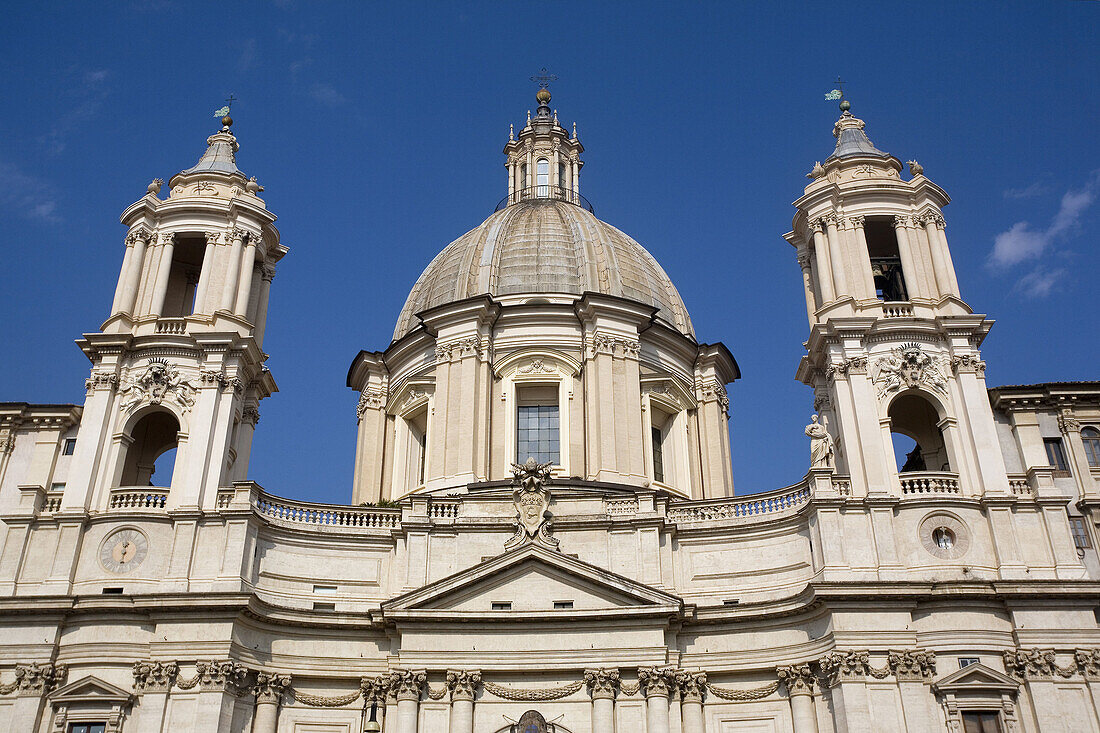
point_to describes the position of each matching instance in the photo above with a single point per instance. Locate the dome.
(544, 246)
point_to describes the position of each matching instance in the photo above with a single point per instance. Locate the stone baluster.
(693, 688)
(269, 690)
(463, 687)
(656, 684)
(799, 681)
(164, 270)
(601, 686)
(407, 686)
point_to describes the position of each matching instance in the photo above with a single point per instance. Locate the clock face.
(123, 550)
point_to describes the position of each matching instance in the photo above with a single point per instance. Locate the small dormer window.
(542, 168)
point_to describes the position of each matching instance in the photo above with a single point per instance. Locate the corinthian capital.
(221, 675)
(602, 683)
(799, 679)
(270, 687)
(901, 220)
(406, 685)
(463, 684)
(164, 238)
(817, 225)
(656, 681)
(932, 217)
(915, 664)
(154, 676)
(857, 221)
(39, 678)
(693, 685)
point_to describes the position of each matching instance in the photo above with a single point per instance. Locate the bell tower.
(893, 352)
(178, 366)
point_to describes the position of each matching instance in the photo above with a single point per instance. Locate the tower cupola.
(544, 160)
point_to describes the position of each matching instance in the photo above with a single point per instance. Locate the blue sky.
(377, 130)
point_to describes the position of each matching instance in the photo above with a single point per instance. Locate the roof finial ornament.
(227, 121)
(574, 130)
(838, 93)
(511, 132)
(543, 79)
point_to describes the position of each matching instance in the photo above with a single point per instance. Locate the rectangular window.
(501, 605)
(563, 605)
(325, 589)
(1090, 436)
(981, 721)
(57, 487)
(70, 447)
(87, 727)
(537, 434)
(1056, 454)
(1080, 533)
(967, 661)
(319, 606)
(658, 455)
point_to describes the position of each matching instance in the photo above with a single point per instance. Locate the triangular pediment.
(531, 580)
(89, 690)
(976, 678)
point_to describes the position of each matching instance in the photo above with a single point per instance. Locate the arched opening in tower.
(151, 456)
(917, 437)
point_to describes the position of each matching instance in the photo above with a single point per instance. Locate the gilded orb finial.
(543, 96)
(845, 105)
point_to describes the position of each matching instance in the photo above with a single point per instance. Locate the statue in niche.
(821, 444)
(532, 500)
(533, 722)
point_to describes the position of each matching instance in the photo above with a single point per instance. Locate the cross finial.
(840, 85)
(230, 99)
(543, 78)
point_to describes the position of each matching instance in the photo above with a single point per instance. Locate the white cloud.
(1035, 189)
(1021, 242)
(1039, 282)
(27, 196)
(326, 94)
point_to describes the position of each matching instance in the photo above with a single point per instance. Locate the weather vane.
(837, 93)
(543, 78)
(224, 111)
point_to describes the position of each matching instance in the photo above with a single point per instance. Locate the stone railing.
(52, 502)
(842, 485)
(897, 310)
(171, 325)
(929, 482)
(621, 507)
(140, 498)
(759, 505)
(443, 509)
(1018, 484)
(323, 516)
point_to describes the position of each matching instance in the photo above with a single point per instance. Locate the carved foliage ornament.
(656, 681)
(532, 501)
(909, 366)
(406, 685)
(154, 676)
(39, 678)
(370, 399)
(602, 683)
(799, 679)
(968, 363)
(458, 349)
(463, 684)
(159, 382)
(270, 687)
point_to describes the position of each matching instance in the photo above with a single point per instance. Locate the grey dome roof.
(544, 246)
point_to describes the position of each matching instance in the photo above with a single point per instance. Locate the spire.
(220, 155)
(851, 140)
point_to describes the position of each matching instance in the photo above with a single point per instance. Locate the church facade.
(543, 533)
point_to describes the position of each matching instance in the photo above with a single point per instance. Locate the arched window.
(1091, 438)
(151, 455)
(918, 440)
(542, 168)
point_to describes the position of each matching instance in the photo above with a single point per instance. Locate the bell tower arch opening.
(919, 443)
(150, 457)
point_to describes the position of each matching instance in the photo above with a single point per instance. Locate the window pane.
(658, 456)
(537, 435)
(1091, 437)
(1055, 455)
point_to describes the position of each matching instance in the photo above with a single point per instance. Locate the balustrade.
(326, 515)
(759, 505)
(138, 498)
(928, 482)
(897, 310)
(171, 325)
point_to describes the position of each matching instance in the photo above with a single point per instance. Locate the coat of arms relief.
(909, 366)
(159, 382)
(532, 500)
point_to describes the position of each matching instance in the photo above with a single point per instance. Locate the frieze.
(159, 382)
(909, 366)
(101, 380)
(463, 684)
(602, 343)
(154, 676)
(1042, 664)
(602, 683)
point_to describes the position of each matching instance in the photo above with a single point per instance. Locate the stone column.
(529, 179)
(913, 286)
(269, 690)
(232, 274)
(463, 687)
(863, 256)
(267, 273)
(808, 286)
(845, 673)
(836, 256)
(601, 685)
(33, 682)
(127, 259)
(164, 269)
(406, 687)
(201, 300)
(822, 264)
(220, 683)
(930, 221)
(693, 688)
(511, 182)
(1070, 427)
(244, 287)
(574, 176)
(138, 240)
(656, 684)
(152, 683)
(914, 670)
(799, 681)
